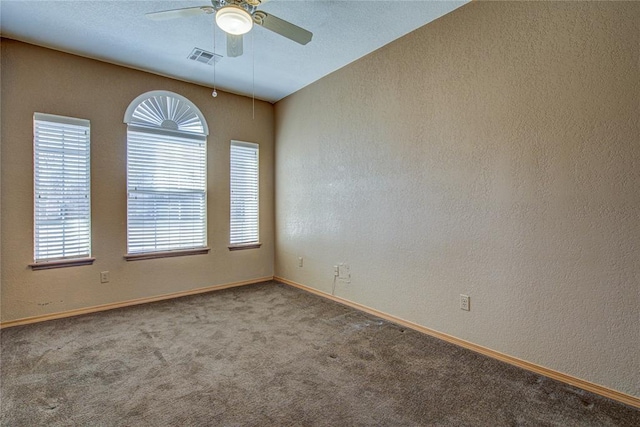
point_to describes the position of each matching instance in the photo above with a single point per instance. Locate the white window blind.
(166, 174)
(244, 193)
(62, 188)
(166, 184)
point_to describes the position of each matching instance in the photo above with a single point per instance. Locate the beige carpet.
(269, 355)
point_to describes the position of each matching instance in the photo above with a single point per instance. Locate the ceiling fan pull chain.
(215, 92)
(253, 77)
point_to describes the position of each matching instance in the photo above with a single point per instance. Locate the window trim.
(71, 262)
(243, 246)
(167, 254)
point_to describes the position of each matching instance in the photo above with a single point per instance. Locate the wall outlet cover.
(465, 302)
(344, 272)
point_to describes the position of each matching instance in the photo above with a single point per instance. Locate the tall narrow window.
(62, 189)
(166, 176)
(244, 195)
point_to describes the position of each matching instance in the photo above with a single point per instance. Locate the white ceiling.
(117, 31)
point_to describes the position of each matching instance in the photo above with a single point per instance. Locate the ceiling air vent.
(204, 56)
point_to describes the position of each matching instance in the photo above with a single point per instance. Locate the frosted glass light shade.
(234, 20)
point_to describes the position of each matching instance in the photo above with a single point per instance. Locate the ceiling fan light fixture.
(234, 20)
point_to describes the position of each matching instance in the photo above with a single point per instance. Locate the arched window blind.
(166, 174)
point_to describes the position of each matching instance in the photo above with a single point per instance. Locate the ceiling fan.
(235, 18)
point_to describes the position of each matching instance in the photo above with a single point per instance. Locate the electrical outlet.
(465, 302)
(300, 261)
(344, 273)
(336, 271)
(104, 277)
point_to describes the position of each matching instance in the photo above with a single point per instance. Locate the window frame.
(252, 244)
(42, 121)
(196, 131)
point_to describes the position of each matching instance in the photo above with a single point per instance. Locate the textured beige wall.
(494, 152)
(42, 80)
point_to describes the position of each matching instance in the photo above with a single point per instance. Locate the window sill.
(46, 265)
(166, 254)
(245, 246)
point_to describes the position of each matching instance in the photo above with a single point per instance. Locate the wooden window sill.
(46, 265)
(166, 254)
(245, 246)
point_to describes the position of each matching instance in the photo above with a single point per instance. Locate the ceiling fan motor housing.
(249, 5)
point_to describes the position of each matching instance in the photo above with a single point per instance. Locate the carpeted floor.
(269, 355)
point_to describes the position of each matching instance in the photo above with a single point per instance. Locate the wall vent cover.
(203, 56)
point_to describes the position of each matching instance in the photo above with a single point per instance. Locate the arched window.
(166, 176)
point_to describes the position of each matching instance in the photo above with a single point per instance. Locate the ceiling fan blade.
(234, 45)
(282, 27)
(179, 13)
